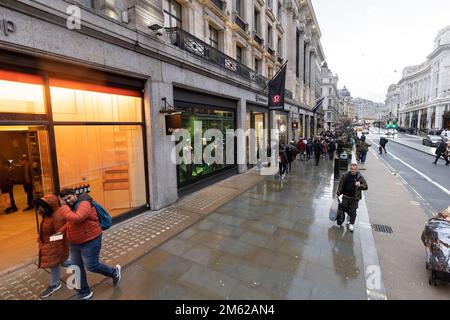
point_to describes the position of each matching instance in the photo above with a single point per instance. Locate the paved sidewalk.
(401, 253)
(248, 237)
(274, 241)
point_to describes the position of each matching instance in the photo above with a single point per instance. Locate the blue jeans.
(87, 255)
(363, 156)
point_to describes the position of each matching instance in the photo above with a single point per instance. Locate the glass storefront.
(94, 136)
(210, 118)
(257, 121)
(282, 125)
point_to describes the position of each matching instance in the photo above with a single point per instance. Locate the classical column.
(304, 126)
(418, 119)
(312, 87)
(429, 114)
(307, 72)
(439, 114)
(241, 141)
(302, 66)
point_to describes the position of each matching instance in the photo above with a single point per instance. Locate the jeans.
(363, 156)
(87, 255)
(55, 275)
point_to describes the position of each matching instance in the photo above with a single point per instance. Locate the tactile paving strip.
(137, 233)
(208, 200)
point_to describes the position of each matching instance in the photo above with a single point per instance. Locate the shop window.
(72, 101)
(108, 158)
(189, 173)
(21, 93)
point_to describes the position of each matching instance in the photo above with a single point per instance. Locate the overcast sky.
(366, 41)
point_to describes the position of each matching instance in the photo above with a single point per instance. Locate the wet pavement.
(274, 241)
(247, 237)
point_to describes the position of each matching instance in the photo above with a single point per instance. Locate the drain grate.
(382, 228)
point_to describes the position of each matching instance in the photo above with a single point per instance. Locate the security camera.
(157, 29)
(159, 32)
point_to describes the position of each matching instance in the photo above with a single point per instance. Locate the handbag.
(340, 215)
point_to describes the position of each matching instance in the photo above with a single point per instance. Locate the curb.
(430, 154)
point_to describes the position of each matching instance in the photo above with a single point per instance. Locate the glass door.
(25, 173)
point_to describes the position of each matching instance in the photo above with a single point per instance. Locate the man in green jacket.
(351, 186)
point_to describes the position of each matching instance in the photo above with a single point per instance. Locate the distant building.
(425, 89)
(331, 94)
(347, 109)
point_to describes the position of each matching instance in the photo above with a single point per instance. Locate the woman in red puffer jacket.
(51, 253)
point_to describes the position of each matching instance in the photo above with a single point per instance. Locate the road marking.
(418, 172)
(384, 163)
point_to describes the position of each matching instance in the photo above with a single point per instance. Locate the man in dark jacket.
(7, 185)
(27, 184)
(317, 151)
(441, 151)
(350, 186)
(383, 143)
(85, 237)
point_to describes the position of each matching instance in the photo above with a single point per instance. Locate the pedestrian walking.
(85, 237)
(282, 160)
(7, 184)
(317, 147)
(383, 143)
(331, 149)
(351, 186)
(364, 148)
(289, 158)
(27, 184)
(441, 151)
(52, 253)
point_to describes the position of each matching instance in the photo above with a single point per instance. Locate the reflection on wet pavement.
(274, 241)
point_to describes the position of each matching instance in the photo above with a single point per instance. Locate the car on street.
(432, 139)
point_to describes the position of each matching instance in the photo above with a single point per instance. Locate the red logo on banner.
(276, 98)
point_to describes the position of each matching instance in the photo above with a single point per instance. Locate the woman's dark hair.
(43, 207)
(66, 192)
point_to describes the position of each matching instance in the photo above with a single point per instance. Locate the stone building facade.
(331, 94)
(425, 89)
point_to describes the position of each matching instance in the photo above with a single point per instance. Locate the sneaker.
(85, 296)
(351, 228)
(49, 291)
(118, 276)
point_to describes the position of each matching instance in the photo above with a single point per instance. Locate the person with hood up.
(51, 253)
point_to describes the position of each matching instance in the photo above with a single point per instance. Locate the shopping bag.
(334, 210)
(340, 215)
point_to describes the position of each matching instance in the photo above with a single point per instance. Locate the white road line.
(407, 185)
(418, 172)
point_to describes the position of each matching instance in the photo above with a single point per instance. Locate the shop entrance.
(25, 173)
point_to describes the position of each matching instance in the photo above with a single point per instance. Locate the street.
(430, 181)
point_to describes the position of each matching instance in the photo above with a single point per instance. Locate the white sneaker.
(351, 228)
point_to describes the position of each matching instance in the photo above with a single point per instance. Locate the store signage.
(261, 99)
(173, 122)
(7, 27)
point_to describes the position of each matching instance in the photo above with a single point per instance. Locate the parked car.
(432, 139)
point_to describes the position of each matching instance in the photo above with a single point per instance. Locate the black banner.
(277, 89)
